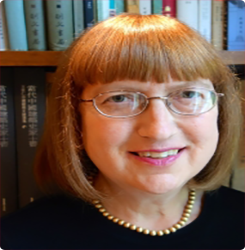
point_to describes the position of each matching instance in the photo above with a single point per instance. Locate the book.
(236, 25)
(157, 7)
(132, 6)
(16, 25)
(4, 43)
(78, 15)
(205, 19)
(103, 7)
(89, 13)
(30, 99)
(60, 24)
(119, 6)
(145, 7)
(35, 26)
(187, 12)
(218, 24)
(169, 8)
(9, 196)
(239, 160)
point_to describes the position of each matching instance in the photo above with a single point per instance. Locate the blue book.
(16, 25)
(109, 8)
(103, 9)
(60, 24)
(78, 11)
(236, 27)
(35, 25)
(89, 17)
(157, 7)
(119, 6)
(112, 8)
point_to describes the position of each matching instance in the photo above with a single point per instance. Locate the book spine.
(35, 25)
(29, 84)
(169, 8)
(78, 11)
(9, 196)
(16, 24)
(187, 12)
(60, 24)
(132, 6)
(157, 7)
(102, 10)
(120, 6)
(205, 19)
(145, 7)
(112, 8)
(89, 18)
(217, 24)
(236, 26)
(4, 44)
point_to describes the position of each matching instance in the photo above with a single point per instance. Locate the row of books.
(22, 110)
(54, 24)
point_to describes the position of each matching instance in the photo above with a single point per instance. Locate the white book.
(145, 7)
(60, 24)
(78, 15)
(35, 24)
(103, 9)
(4, 45)
(187, 12)
(205, 19)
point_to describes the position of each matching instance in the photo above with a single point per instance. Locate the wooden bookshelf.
(51, 58)
(29, 58)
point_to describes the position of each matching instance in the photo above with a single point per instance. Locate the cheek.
(104, 133)
(203, 129)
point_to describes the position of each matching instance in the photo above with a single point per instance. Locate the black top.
(67, 223)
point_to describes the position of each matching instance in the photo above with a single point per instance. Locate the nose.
(157, 122)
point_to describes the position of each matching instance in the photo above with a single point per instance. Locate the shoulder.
(228, 196)
(225, 205)
(41, 218)
(50, 206)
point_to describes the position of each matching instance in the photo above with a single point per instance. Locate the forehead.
(171, 85)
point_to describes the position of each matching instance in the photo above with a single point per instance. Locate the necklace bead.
(183, 220)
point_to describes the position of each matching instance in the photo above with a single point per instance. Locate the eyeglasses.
(123, 104)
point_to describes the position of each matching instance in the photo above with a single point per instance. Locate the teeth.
(158, 155)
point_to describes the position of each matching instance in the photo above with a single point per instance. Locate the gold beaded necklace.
(183, 220)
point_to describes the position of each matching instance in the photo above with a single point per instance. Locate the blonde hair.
(136, 47)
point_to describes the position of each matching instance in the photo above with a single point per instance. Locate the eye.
(190, 94)
(118, 98)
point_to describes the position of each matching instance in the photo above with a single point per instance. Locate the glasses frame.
(163, 98)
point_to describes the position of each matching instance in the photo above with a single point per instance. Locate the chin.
(160, 184)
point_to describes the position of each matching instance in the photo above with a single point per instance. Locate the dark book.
(9, 202)
(89, 17)
(30, 110)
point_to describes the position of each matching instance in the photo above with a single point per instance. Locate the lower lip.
(159, 162)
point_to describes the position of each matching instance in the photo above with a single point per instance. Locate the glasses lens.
(121, 103)
(192, 101)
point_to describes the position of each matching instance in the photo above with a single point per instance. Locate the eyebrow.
(190, 84)
(170, 86)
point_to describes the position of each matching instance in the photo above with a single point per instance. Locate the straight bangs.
(143, 48)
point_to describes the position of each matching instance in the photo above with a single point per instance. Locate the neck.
(147, 210)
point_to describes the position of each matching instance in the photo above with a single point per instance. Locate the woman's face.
(122, 149)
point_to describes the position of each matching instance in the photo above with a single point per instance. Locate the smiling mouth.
(157, 155)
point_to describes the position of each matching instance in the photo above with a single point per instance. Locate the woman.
(142, 124)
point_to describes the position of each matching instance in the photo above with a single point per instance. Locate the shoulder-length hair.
(135, 47)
